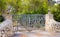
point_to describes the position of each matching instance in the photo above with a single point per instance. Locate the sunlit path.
(36, 34)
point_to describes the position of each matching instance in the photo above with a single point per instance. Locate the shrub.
(56, 12)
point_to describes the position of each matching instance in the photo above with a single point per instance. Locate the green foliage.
(26, 6)
(56, 12)
(31, 7)
(2, 6)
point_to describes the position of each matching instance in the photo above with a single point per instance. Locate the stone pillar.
(7, 13)
(48, 25)
(9, 28)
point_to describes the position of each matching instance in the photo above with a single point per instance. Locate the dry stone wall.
(50, 24)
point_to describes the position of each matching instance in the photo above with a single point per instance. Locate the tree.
(56, 12)
(31, 7)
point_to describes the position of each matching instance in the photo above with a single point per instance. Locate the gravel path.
(36, 34)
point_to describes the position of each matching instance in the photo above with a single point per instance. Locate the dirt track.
(37, 34)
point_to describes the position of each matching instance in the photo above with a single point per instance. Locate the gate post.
(48, 23)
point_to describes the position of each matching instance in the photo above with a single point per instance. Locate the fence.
(30, 20)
